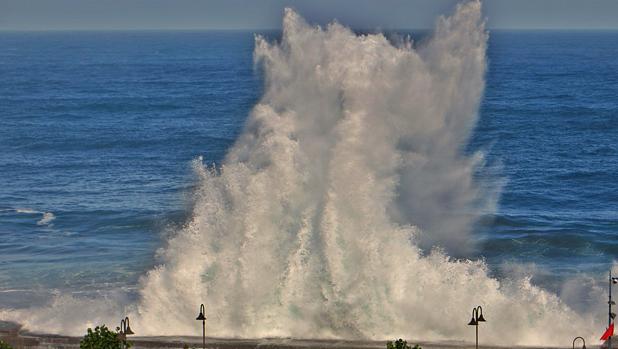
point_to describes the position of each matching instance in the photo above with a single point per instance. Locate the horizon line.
(376, 30)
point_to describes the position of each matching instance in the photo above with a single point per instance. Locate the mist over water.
(349, 165)
(336, 211)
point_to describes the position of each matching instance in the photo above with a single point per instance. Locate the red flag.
(608, 333)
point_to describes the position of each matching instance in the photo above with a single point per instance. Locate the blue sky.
(266, 14)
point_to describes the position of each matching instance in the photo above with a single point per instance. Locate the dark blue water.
(550, 116)
(97, 132)
(99, 129)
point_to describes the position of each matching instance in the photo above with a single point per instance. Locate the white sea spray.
(321, 221)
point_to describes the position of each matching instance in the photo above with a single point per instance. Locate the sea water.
(100, 132)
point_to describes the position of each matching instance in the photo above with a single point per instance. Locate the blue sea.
(98, 131)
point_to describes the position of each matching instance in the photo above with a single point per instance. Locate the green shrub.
(400, 344)
(5, 345)
(103, 338)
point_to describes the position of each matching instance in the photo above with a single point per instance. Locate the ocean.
(99, 131)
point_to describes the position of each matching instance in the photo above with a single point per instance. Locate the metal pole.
(609, 314)
(477, 335)
(202, 317)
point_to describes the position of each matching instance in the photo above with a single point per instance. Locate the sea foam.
(324, 218)
(334, 214)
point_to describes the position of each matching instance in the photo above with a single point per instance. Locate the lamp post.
(202, 317)
(583, 340)
(610, 302)
(125, 328)
(477, 316)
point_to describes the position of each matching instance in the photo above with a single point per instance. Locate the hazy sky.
(266, 14)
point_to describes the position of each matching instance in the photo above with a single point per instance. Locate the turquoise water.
(98, 129)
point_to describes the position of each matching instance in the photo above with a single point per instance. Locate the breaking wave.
(336, 211)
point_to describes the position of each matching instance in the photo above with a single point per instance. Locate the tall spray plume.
(349, 167)
(334, 214)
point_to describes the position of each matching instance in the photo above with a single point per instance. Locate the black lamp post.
(610, 302)
(477, 316)
(125, 328)
(583, 340)
(202, 317)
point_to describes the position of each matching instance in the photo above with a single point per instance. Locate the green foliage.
(103, 338)
(5, 345)
(400, 344)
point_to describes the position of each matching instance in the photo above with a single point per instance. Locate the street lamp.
(610, 302)
(125, 328)
(477, 316)
(583, 340)
(202, 317)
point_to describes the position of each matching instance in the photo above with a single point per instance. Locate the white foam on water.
(321, 221)
(47, 218)
(27, 211)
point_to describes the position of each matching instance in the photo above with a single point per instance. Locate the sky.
(266, 14)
